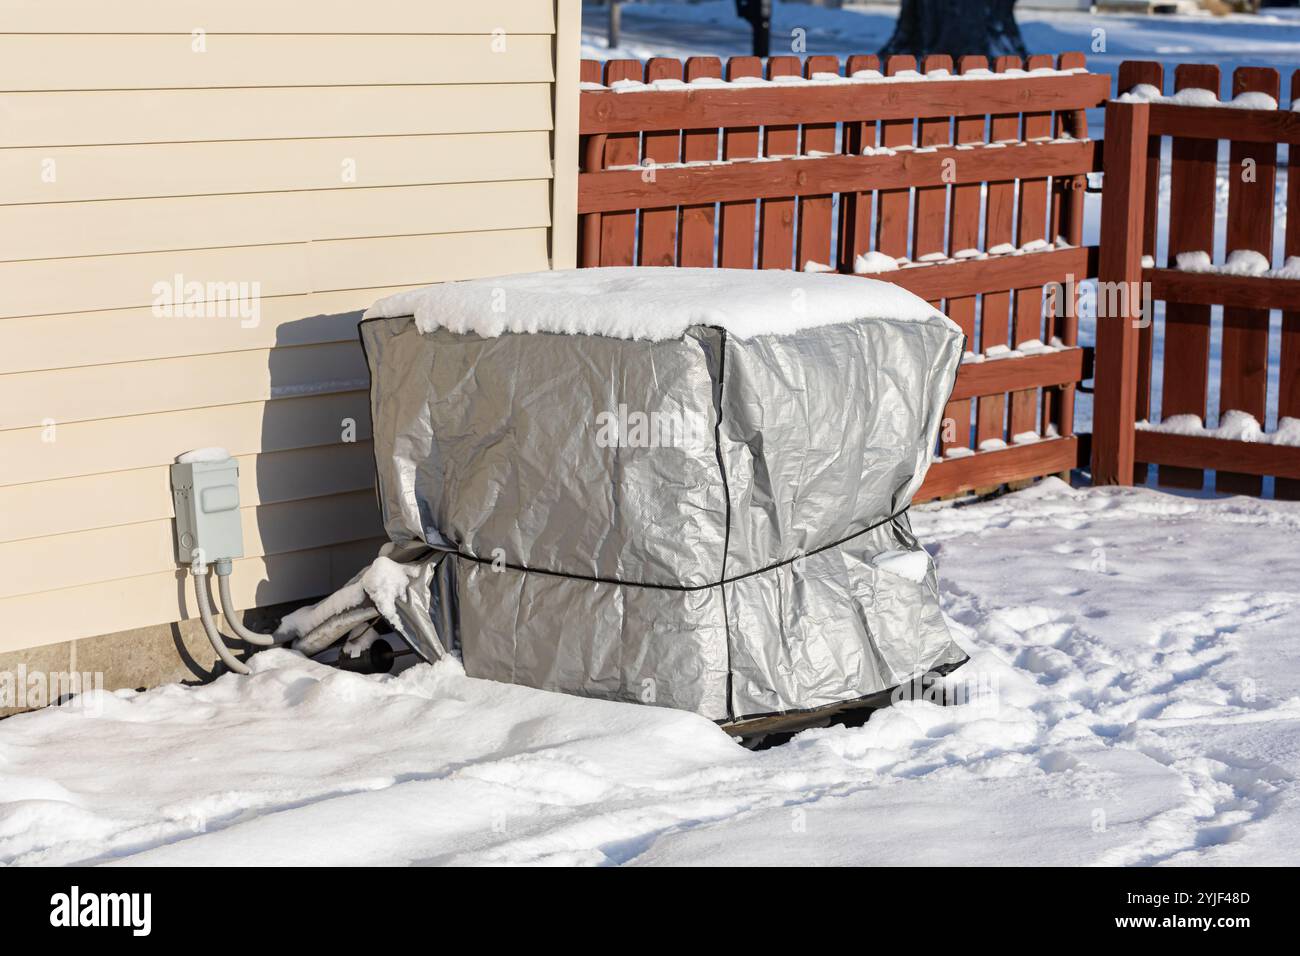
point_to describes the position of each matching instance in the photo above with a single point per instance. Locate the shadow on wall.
(317, 518)
(316, 515)
(315, 508)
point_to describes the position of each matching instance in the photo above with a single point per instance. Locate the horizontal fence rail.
(1224, 122)
(620, 189)
(971, 180)
(866, 101)
(1196, 291)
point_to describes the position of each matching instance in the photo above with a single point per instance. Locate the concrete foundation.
(137, 659)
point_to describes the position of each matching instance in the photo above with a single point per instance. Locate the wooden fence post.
(1119, 280)
(591, 158)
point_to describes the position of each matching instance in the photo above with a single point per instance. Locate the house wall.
(327, 151)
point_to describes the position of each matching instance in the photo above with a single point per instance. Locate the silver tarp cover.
(693, 523)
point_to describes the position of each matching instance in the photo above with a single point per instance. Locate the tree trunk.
(759, 15)
(956, 27)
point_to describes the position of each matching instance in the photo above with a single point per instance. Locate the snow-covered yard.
(683, 28)
(1133, 698)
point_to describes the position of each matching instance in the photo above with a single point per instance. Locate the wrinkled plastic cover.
(719, 559)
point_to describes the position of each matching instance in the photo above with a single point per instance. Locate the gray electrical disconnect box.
(206, 495)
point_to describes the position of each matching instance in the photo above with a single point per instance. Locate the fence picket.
(658, 240)
(1288, 391)
(1131, 73)
(1243, 383)
(814, 240)
(618, 229)
(963, 234)
(931, 202)
(736, 227)
(995, 321)
(1067, 224)
(592, 159)
(1031, 226)
(1192, 178)
(697, 226)
(855, 207)
(892, 204)
(776, 243)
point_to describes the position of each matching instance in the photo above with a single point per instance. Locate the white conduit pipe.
(200, 573)
(318, 639)
(228, 609)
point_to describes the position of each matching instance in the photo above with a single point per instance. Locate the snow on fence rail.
(1123, 444)
(966, 188)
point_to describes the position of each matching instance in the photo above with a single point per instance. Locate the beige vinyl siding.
(67, 505)
(53, 451)
(72, 339)
(293, 17)
(106, 554)
(169, 116)
(78, 229)
(159, 61)
(33, 286)
(95, 392)
(47, 617)
(250, 166)
(321, 153)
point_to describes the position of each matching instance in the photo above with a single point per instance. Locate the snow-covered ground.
(1133, 697)
(684, 28)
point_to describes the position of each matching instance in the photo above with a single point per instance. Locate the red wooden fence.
(1130, 230)
(978, 181)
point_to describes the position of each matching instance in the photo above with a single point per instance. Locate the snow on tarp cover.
(652, 304)
(691, 493)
